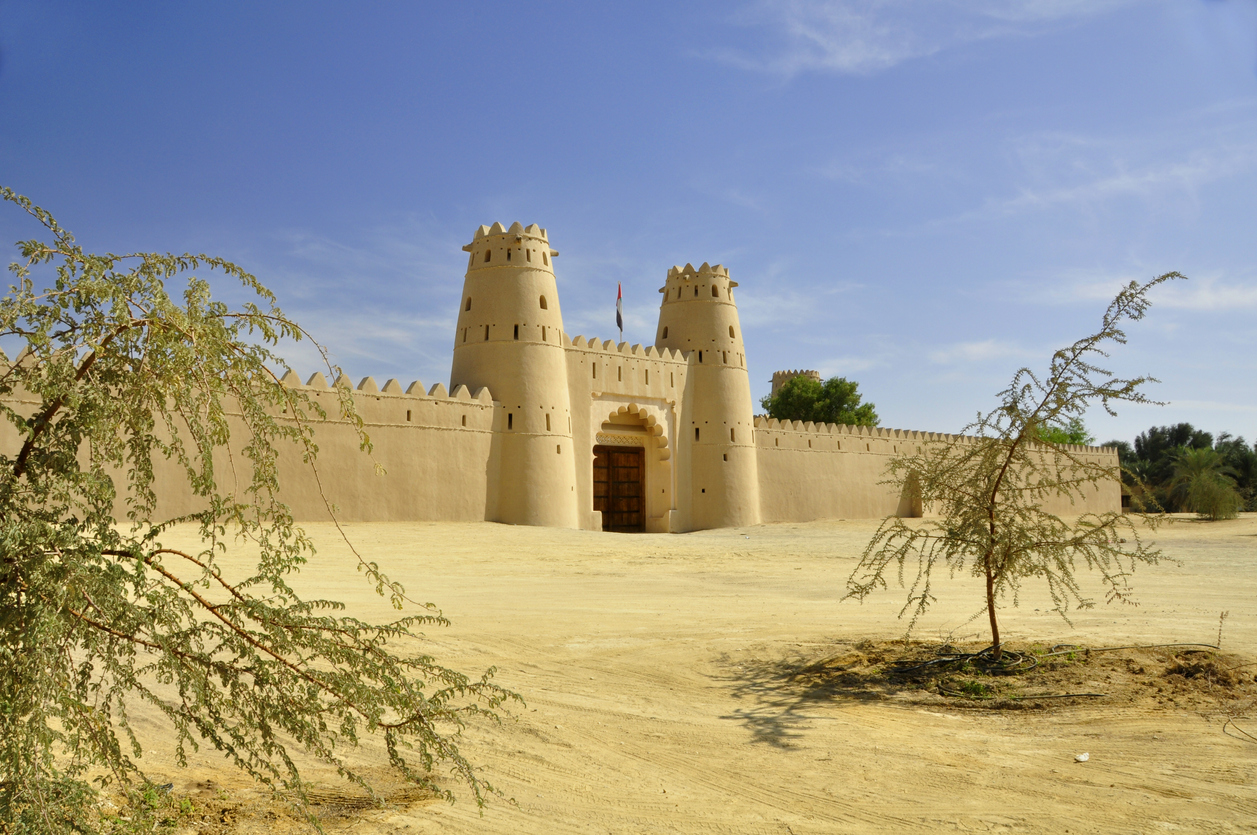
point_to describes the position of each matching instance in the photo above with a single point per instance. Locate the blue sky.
(921, 196)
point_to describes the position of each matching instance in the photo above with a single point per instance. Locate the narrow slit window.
(726, 456)
(672, 379)
(724, 357)
(545, 259)
(508, 255)
(595, 370)
(696, 292)
(558, 449)
(464, 334)
(486, 333)
(809, 444)
(731, 438)
(619, 374)
(543, 303)
(468, 306)
(488, 253)
(665, 331)
(408, 415)
(715, 292)
(700, 356)
(543, 333)
(510, 420)
(731, 332)
(647, 376)
(696, 433)
(528, 254)
(464, 420)
(517, 331)
(776, 441)
(547, 421)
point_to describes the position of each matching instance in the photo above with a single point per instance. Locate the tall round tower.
(699, 317)
(510, 338)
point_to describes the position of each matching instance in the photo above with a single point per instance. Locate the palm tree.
(1203, 484)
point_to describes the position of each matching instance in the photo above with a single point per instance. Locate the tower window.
(595, 370)
(726, 456)
(731, 438)
(647, 376)
(510, 420)
(724, 357)
(665, 331)
(543, 333)
(528, 254)
(547, 421)
(508, 255)
(517, 331)
(809, 444)
(464, 334)
(696, 291)
(715, 292)
(672, 379)
(545, 259)
(678, 294)
(776, 441)
(486, 333)
(543, 303)
(696, 433)
(731, 332)
(488, 253)
(408, 414)
(558, 449)
(619, 374)
(468, 307)
(700, 356)
(464, 420)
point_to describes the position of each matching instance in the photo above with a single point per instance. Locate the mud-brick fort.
(539, 428)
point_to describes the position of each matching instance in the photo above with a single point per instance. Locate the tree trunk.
(990, 611)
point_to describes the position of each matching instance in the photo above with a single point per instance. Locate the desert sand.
(642, 662)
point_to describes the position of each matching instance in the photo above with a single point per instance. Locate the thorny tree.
(988, 487)
(96, 615)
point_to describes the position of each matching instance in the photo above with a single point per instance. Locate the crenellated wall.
(822, 471)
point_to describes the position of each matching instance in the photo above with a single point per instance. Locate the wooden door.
(618, 492)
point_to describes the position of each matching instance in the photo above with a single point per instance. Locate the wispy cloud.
(975, 352)
(1200, 293)
(861, 37)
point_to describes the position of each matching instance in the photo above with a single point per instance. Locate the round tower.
(699, 317)
(510, 339)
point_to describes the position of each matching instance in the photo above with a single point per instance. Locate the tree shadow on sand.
(782, 698)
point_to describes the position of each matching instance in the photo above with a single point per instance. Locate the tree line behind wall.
(1181, 469)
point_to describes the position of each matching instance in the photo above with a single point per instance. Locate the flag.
(619, 306)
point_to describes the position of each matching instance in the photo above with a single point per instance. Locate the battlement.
(392, 388)
(532, 230)
(828, 429)
(705, 271)
(639, 351)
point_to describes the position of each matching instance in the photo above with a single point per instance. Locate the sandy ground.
(642, 659)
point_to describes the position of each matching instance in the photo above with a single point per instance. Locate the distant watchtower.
(510, 338)
(716, 428)
(780, 378)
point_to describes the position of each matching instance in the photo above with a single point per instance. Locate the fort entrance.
(619, 475)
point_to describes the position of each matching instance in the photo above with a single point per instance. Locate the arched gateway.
(631, 474)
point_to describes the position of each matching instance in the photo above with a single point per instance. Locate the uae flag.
(619, 306)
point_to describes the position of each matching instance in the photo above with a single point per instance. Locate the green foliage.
(989, 489)
(1071, 432)
(837, 400)
(1202, 484)
(1149, 470)
(98, 616)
